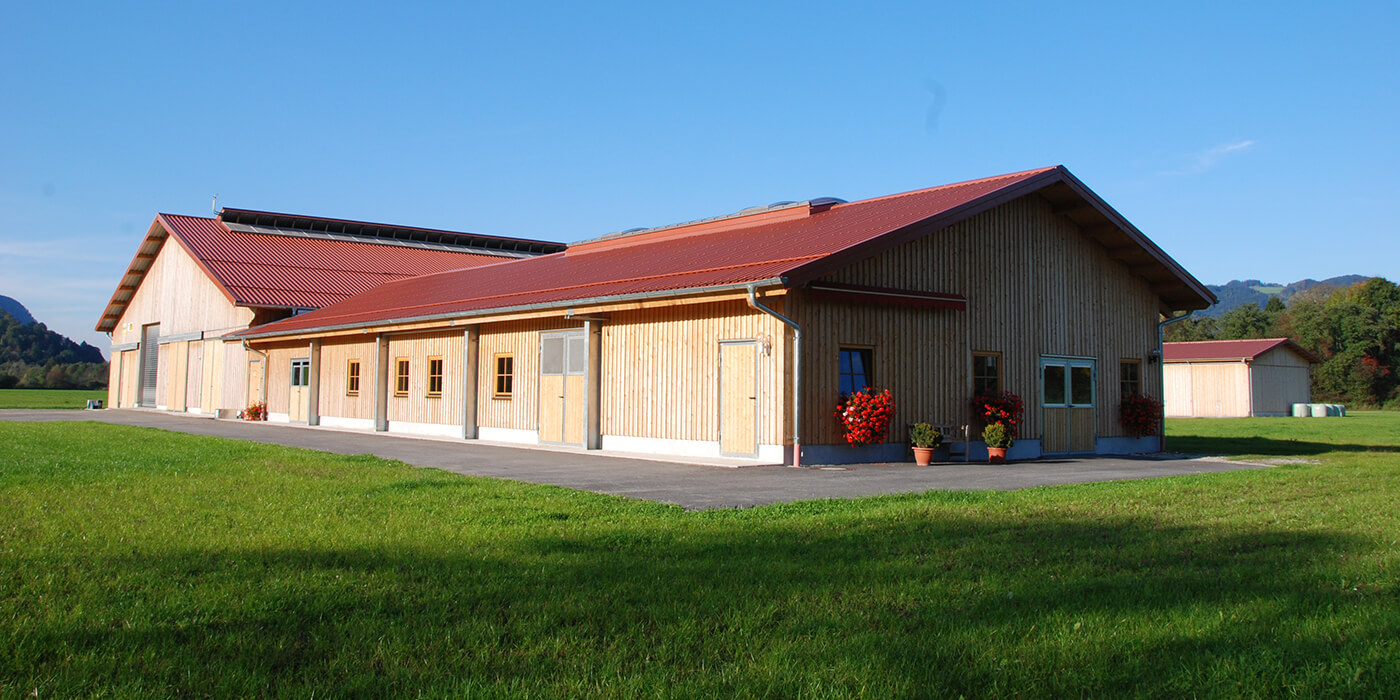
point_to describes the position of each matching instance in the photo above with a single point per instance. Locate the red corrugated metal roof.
(1227, 350)
(273, 270)
(797, 244)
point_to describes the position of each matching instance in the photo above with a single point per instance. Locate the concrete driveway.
(692, 486)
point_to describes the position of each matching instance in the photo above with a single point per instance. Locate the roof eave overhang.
(1198, 295)
(116, 308)
(1190, 294)
(563, 305)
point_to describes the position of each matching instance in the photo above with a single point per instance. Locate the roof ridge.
(952, 185)
(1227, 340)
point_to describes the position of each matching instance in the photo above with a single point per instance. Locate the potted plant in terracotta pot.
(998, 439)
(1001, 412)
(926, 439)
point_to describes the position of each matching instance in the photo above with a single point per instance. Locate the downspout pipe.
(796, 373)
(249, 348)
(1162, 379)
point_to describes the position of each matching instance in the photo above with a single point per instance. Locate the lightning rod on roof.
(214, 205)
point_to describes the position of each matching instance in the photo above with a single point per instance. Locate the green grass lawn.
(140, 563)
(50, 398)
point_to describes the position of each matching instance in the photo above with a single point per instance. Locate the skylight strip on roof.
(374, 240)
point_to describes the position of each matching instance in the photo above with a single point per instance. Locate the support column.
(592, 386)
(313, 387)
(471, 375)
(381, 384)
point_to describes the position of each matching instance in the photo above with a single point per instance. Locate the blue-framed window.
(856, 370)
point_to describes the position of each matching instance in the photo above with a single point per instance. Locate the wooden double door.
(1067, 404)
(563, 364)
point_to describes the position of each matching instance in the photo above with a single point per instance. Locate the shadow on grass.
(1264, 446)
(924, 604)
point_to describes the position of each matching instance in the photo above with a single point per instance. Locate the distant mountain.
(16, 309)
(1240, 292)
(34, 344)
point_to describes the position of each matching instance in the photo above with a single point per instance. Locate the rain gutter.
(1162, 379)
(496, 311)
(249, 348)
(796, 373)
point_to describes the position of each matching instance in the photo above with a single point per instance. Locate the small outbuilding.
(1235, 378)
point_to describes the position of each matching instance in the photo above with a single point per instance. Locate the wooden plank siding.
(279, 374)
(660, 370)
(521, 340)
(1280, 379)
(174, 368)
(178, 294)
(417, 406)
(130, 377)
(1035, 286)
(234, 384)
(211, 371)
(919, 354)
(335, 359)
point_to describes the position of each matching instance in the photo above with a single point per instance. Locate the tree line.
(1355, 331)
(34, 357)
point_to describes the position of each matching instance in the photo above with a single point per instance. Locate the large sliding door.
(150, 360)
(1067, 404)
(563, 360)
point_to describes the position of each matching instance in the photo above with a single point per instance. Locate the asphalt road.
(692, 486)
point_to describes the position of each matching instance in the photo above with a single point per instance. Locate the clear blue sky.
(1248, 140)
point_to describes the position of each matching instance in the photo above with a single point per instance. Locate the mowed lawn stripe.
(137, 562)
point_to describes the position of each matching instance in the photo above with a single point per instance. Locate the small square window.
(504, 377)
(352, 378)
(434, 377)
(301, 372)
(986, 373)
(1129, 378)
(401, 377)
(856, 370)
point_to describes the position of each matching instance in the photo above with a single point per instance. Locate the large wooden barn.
(171, 315)
(1236, 378)
(735, 336)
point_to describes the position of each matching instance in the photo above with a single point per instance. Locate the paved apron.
(692, 486)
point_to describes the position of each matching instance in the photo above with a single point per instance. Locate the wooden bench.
(952, 434)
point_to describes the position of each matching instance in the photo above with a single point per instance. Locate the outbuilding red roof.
(788, 246)
(1228, 350)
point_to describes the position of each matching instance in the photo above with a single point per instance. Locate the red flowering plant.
(1140, 414)
(999, 407)
(865, 415)
(255, 411)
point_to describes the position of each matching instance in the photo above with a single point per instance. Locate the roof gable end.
(1230, 350)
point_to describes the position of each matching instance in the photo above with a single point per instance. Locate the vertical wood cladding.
(417, 406)
(520, 340)
(235, 380)
(336, 354)
(177, 294)
(211, 396)
(279, 375)
(660, 370)
(1035, 286)
(130, 378)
